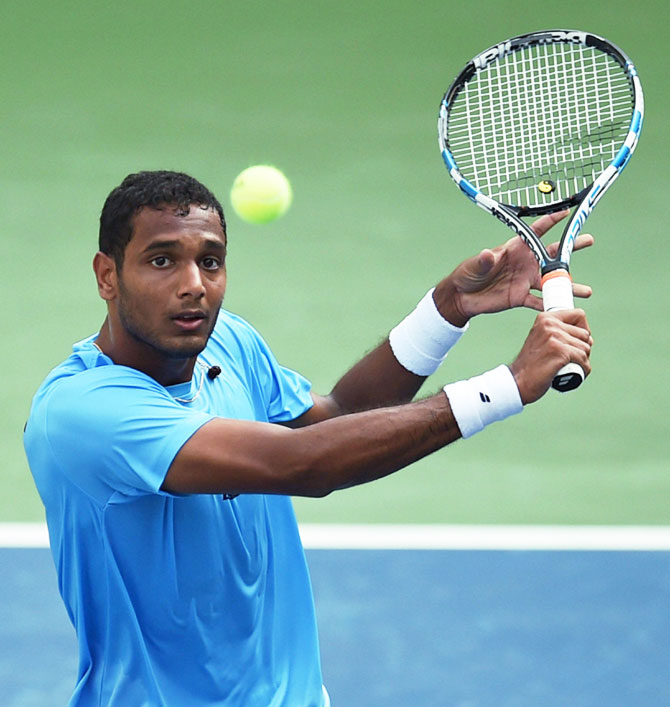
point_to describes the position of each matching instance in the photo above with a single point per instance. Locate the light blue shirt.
(176, 600)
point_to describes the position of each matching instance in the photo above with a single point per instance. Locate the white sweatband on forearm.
(423, 338)
(479, 401)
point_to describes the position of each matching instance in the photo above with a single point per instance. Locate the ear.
(104, 268)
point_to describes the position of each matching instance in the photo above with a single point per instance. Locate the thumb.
(485, 262)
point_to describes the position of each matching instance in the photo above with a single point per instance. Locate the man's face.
(173, 279)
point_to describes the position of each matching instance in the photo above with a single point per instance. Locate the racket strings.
(540, 124)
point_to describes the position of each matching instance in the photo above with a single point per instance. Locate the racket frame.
(587, 198)
(556, 280)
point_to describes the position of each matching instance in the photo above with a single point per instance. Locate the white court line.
(486, 537)
(23, 535)
(433, 537)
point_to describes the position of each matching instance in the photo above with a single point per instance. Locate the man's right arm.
(236, 456)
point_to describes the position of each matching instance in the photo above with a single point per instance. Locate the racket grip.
(557, 295)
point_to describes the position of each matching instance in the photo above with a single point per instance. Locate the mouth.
(190, 320)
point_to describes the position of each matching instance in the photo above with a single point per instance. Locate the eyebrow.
(166, 244)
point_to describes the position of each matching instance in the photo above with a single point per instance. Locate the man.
(166, 478)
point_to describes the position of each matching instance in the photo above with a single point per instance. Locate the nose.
(190, 282)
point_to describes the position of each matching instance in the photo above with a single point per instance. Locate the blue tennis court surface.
(420, 628)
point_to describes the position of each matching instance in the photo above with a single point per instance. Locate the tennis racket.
(537, 124)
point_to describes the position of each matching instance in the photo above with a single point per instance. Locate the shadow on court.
(420, 628)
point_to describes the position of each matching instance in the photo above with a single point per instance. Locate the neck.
(125, 350)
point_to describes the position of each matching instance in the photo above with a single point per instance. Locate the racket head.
(532, 123)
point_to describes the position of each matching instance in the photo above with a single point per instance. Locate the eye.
(160, 261)
(211, 263)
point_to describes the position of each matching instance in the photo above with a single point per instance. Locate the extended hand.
(501, 278)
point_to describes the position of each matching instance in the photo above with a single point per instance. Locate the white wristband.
(423, 338)
(484, 399)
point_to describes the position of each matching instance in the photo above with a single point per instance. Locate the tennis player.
(167, 446)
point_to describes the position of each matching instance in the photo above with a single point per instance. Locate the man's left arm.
(492, 281)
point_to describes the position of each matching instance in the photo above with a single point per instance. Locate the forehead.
(174, 222)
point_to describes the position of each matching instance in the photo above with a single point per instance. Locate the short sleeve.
(290, 393)
(115, 429)
(284, 393)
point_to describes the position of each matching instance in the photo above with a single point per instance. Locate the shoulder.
(230, 325)
(237, 337)
(66, 381)
(106, 428)
(87, 368)
(110, 402)
(79, 395)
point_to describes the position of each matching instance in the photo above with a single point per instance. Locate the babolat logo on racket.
(504, 48)
(492, 54)
(557, 36)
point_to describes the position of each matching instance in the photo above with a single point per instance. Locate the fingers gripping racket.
(537, 124)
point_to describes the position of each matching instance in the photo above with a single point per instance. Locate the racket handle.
(557, 295)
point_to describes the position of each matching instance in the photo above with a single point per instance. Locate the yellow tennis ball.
(261, 194)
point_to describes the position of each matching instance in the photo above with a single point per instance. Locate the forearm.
(378, 443)
(377, 380)
(228, 456)
(396, 369)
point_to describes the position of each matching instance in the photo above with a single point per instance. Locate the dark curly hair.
(152, 189)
